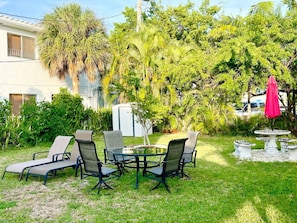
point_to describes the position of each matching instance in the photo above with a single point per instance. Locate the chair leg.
(167, 187)
(123, 169)
(76, 170)
(194, 158)
(183, 174)
(21, 175)
(81, 172)
(45, 179)
(163, 181)
(155, 187)
(182, 170)
(27, 176)
(3, 175)
(109, 187)
(186, 175)
(99, 185)
(120, 168)
(99, 188)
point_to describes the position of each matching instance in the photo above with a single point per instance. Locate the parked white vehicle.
(257, 105)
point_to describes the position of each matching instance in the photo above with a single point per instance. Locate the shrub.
(100, 120)
(30, 122)
(71, 109)
(9, 126)
(245, 126)
(44, 121)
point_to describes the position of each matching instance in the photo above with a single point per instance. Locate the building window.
(17, 100)
(21, 46)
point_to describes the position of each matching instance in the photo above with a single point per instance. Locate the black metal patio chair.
(170, 166)
(93, 166)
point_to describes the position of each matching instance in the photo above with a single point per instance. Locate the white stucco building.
(21, 74)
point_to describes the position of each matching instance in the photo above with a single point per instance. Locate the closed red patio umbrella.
(272, 108)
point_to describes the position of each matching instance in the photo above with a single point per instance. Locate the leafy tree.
(135, 73)
(292, 4)
(204, 60)
(171, 63)
(145, 106)
(73, 42)
(252, 54)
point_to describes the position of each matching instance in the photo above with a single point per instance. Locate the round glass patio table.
(141, 151)
(270, 145)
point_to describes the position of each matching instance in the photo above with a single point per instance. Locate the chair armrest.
(182, 161)
(34, 154)
(64, 156)
(110, 156)
(79, 161)
(100, 164)
(194, 154)
(105, 155)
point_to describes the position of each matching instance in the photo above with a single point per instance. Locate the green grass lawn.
(221, 189)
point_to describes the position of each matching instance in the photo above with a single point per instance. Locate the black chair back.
(89, 157)
(173, 157)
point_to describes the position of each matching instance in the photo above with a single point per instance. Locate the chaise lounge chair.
(73, 161)
(58, 147)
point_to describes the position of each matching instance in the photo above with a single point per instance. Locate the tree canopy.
(73, 42)
(186, 66)
(199, 62)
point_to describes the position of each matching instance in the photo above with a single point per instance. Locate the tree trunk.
(146, 140)
(139, 12)
(249, 109)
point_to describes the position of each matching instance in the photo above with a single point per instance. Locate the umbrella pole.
(272, 123)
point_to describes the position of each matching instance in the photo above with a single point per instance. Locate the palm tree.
(73, 42)
(134, 71)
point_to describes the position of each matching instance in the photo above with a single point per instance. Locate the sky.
(111, 10)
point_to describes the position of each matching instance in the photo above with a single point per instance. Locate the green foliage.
(5, 111)
(245, 126)
(43, 122)
(40, 123)
(199, 61)
(70, 108)
(76, 46)
(184, 68)
(30, 122)
(145, 105)
(53, 121)
(98, 121)
(9, 126)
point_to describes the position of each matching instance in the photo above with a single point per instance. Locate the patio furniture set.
(288, 151)
(83, 157)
